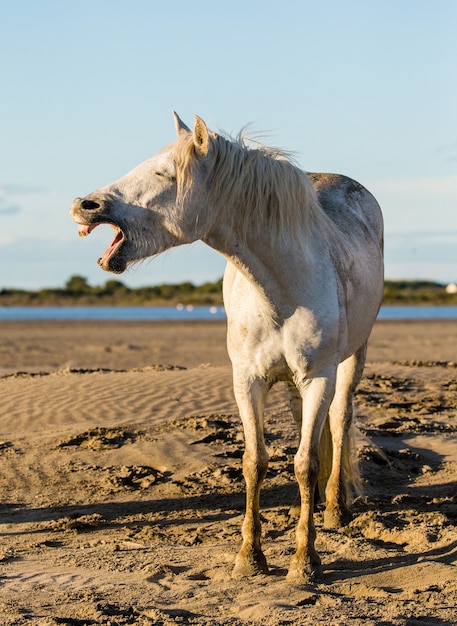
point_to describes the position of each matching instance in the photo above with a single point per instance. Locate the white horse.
(302, 288)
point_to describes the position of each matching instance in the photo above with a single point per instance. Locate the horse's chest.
(273, 349)
(268, 359)
(262, 350)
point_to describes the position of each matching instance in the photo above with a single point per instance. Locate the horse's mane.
(257, 188)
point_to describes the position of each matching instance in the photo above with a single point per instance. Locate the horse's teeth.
(84, 230)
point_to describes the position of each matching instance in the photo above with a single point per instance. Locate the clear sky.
(367, 88)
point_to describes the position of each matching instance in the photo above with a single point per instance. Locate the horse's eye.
(171, 177)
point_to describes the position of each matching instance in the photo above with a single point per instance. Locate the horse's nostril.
(89, 205)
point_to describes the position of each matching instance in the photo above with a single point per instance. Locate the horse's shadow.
(114, 512)
(344, 569)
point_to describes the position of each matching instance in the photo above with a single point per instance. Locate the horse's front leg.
(250, 397)
(317, 393)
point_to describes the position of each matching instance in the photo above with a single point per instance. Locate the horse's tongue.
(107, 252)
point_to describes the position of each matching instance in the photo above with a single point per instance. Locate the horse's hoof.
(305, 576)
(304, 571)
(246, 566)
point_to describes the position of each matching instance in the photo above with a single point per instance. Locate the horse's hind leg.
(341, 447)
(316, 392)
(250, 398)
(296, 405)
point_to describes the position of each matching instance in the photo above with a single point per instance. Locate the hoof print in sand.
(133, 477)
(98, 438)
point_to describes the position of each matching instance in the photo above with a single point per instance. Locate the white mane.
(256, 188)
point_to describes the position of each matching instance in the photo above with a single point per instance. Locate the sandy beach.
(122, 497)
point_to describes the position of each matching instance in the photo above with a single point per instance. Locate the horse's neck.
(281, 271)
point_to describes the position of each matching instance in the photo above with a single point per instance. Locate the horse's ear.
(181, 128)
(201, 137)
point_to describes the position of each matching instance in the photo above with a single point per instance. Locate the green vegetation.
(78, 292)
(417, 292)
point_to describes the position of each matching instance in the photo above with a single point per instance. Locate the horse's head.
(152, 208)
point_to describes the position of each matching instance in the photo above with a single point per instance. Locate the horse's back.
(340, 196)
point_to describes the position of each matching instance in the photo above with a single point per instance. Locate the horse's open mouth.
(111, 260)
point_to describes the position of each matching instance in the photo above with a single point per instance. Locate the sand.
(121, 493)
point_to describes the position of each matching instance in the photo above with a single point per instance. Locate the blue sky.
(367, 88)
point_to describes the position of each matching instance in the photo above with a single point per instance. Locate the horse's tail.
(351, 466)
(325, 459)
(350, 472)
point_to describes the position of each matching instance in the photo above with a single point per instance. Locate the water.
(183, 313)
(158, 313)
(418, 312)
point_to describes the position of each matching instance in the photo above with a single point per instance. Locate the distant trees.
(416, 292)
(77, 285)
(77, 291)
(115, 287)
